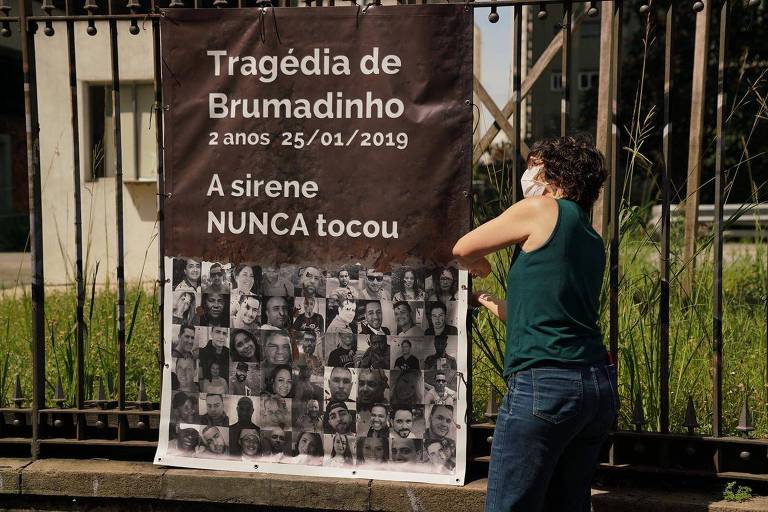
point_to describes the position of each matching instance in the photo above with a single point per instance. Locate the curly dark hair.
(573, 164)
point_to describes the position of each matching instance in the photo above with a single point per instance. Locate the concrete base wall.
(117, 486)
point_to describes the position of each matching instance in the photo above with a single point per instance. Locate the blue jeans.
(551, 426)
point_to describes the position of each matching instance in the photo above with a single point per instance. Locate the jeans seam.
(547, 417)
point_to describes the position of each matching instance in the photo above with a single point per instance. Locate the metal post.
(517, 43)
(80, 318)
(27, 39)
(158, 89)
(565, 104)
(119, 218)
(665, 199)
(717, 288)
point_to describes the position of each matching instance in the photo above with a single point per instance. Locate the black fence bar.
(113, 48)
(80, 318)
(613, 309)
(35, 222)
(666, 168)
(717, 286)
(517, 51)
(158, 111)
(565, 104)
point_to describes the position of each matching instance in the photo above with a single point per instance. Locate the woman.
(341, 453)
(215, 383)
(184, 409)
(407, 387)
(445, 284)
(184, 308)
(246, 350)
(371, 450)
(251, 448)
(243, 282)
(309, 449)
(554, 347)
(407, 286)
(280, 381)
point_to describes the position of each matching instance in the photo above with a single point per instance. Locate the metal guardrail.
(740, 220)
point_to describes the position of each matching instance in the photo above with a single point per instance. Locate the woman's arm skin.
(496, 306)
(519, 223)
(513, 226)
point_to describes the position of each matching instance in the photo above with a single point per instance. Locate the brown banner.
(329, 135)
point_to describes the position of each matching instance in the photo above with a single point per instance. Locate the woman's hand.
(480, 268)
(496, 306)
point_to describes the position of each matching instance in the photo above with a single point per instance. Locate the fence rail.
(123, 428)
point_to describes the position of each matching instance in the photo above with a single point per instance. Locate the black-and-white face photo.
(306, 365)
(407, 421)
(187, 441)
(245, 279)
(440, 357)
(343, 285)
(309, 315)
(409, 352)
(185, 304)
(310, 282)
(277, 346)
(186, 275)
(215, 310)
(372, 385)
(407, 387)
(184, 375)
(274, 412)
(440, 318)
(340, 384)
(372, 451)
(215, 442)
(375, 285)
(277, 312)
(245, 379)
(216, 277)
(339, 418)
(409, 318)
(408, 285)
(244, 346)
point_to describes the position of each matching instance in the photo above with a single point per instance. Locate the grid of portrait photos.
(350, 368)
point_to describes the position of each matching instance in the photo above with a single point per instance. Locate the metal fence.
(128, 429)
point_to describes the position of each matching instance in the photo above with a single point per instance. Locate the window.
(588, 80)
(137, 127)
(556, 81)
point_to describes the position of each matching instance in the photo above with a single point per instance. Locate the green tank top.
(553, 296)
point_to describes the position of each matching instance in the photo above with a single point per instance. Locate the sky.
(496, 39)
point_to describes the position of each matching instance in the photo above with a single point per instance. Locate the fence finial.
(592, 11)
(492, 410)
(493, 16)
(698, 6)
(18, 397)
(691, 422)
(638, 416)
(59, 397)
(745, 419)
(542, 14)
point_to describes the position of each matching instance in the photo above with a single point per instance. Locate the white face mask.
(531, 187)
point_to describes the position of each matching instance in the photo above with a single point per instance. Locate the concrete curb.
(125, 481)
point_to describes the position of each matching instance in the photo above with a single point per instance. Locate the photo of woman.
(184, 308)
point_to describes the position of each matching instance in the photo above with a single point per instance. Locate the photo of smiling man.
(375, 286)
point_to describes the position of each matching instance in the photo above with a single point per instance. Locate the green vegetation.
(741, 493)
(100, 341)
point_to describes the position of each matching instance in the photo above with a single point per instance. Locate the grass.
(100, 342)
